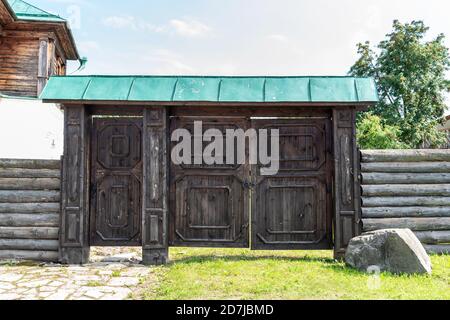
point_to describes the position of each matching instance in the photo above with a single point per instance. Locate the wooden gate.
(210, 204)
(292, 209)
(116, 182)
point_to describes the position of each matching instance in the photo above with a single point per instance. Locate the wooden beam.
(415, 224)
(399, 190)
(41, 256)
(404, 212)
(405, 155)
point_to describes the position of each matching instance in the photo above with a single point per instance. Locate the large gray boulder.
(392, 250)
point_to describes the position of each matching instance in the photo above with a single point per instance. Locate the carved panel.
(118, 208)
(155, 220)
(302, 145)
(292, 209)
(74, 205)
(347, 203)
(116, 182)
(210, 209)
(209, 203)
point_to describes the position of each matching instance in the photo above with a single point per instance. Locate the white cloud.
(169, 62)
(130, 22)
(182, 27)
(190, 27)
(120, 22)
(278, 37)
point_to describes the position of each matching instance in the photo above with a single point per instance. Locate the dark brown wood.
(116, 182)
(347, 222)
(74, 241)
(293, 209)
(209, 203)
(155, 194)
(30, 52)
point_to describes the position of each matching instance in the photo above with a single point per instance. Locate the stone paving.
(112, 275)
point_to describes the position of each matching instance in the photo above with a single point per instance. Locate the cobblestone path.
(111, 278)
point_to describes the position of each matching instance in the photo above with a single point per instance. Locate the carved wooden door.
(209, 203)
(293, 208)
(116, 182)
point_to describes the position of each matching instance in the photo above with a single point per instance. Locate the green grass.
(237, 274)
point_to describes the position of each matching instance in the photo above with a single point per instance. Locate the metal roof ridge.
(211, 77)
(44, 14)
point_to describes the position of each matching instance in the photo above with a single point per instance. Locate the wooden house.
(34, 45)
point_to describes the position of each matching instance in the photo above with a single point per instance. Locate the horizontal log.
(44, 256)
(405, 201)
(29, 196)
(405, 178)
(29, 220)
(437, 249)
(29, 173)
(30, 184)
(415, 224)
(402, 212)
(39, 233)
(434, 237)
(29, 244)
(30, 164)
(386, 190)
(405, 155)
(29, 207)
(407, 167)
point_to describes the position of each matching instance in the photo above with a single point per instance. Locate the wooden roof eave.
(360, 106)
(7, 15)
(61, 29)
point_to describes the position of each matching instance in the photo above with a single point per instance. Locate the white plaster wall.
(30, 129)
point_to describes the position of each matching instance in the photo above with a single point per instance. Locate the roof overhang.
(60, 28)
(211, 91)
(7, 14)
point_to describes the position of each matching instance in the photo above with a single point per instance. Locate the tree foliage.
(410, 73)
(373, 134)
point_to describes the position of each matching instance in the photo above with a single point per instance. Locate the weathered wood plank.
(29, 196)
(29, 220)
(30, 184)
(405, 155)
(44, 256)
(415, 224)
(434, 237)
(29, 244)
(406, 201)
(397, 190)
(30, 207)
(30, 164)
(42, 233)
(405, 178)
(403, 212)
(438, 249)
(406, 167)
(29, 173)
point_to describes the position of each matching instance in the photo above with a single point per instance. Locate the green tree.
(373, 134)
(411, 77)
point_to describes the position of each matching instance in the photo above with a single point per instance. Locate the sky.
(235, 37)
(209, 37)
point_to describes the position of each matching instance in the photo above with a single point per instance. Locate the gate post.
(155, 203)
(74, 242)
(347, 200)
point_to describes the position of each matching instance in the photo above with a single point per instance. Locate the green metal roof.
(210, 89)
(26, 11)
